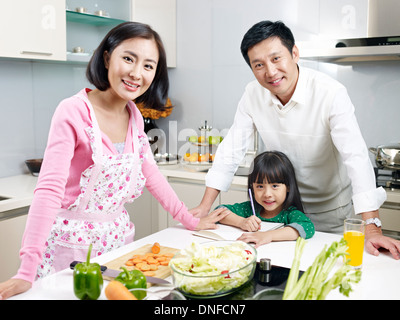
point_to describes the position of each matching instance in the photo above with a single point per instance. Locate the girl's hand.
(209, 222)
(258, 238)
(251, 224)
(12, 287)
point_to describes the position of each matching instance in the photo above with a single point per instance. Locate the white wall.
(211, 73)
(206, 85)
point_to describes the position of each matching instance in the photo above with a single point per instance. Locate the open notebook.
(225, 232)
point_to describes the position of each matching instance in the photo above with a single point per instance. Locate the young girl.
(98, 158)
(276, 199)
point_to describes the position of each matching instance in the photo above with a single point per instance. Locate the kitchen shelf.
(91, 19)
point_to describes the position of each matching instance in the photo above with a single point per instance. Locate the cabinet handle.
(390, 205)
(37, 53)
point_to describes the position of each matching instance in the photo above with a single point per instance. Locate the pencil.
(251, 201)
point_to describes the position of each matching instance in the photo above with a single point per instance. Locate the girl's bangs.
(271, 174)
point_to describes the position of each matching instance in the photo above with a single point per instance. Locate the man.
(310, 118)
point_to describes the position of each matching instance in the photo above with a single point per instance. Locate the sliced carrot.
(164, 263)
(151, 260)
(137, 260)
(143, 266)
(115, 290)
(153, 267)
(159, 259)
(156, 248)
(129, 263)
(149, 273)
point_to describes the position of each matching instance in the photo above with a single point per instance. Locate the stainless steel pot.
(387, 156)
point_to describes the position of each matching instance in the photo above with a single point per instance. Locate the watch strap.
(375, 221)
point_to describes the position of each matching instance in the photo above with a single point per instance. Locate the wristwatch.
(374, 221)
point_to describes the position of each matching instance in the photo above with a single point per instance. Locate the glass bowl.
(216, 269)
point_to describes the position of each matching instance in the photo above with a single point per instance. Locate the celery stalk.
(314, 283)
(294, 271)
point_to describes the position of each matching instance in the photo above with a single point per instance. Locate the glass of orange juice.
(354, 234)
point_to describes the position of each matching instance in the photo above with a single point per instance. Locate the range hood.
(381, 43)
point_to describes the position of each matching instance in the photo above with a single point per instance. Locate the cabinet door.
(141, 214)
(33, 29)
(11, 232)
(190, 192)
(235, 194)
(390, 216)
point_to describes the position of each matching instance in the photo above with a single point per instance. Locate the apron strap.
(98, 153)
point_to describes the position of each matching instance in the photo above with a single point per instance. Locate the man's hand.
(375, 240)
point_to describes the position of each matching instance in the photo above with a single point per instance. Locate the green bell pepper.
(133, 279)
(88, 280)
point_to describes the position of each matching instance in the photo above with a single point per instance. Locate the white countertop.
(19, 189)
(380, 275)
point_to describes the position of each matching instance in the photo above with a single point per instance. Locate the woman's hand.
(12, 287)
(209, 222)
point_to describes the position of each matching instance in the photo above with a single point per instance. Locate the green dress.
(290, 217)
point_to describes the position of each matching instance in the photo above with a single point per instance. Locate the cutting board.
(162, 272)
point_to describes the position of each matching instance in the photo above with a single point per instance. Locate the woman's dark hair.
(264, 30)
(156, 95)
(275, 167)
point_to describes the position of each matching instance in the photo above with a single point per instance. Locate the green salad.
(212, 270)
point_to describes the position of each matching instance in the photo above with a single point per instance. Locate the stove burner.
(387, 178)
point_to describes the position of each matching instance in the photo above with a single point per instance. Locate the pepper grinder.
(264, 274)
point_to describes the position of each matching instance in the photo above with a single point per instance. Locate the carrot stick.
(155, 248)
(115, 290)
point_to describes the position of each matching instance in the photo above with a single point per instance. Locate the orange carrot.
(115, 290)
(155, 248)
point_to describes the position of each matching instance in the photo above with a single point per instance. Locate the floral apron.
(98, 215)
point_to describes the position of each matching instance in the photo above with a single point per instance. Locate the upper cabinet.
(70, 30)
(88, 21)
(33, 29)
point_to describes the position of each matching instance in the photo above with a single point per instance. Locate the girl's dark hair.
(156, 95)
(275, 167)
(264, 30)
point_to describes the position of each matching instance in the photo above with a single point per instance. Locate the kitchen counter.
(16, 193)
(18, 190)
(380, 276)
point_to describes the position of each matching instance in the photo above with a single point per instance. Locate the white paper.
(225, 232)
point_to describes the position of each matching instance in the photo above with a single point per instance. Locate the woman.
(97, 159)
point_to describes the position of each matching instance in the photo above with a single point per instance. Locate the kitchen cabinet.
(143, 213)
(159, 14)
(235, 194)
(86, 29)
(190, 192)
(33, 29)
(50, 30)
(11, 232)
